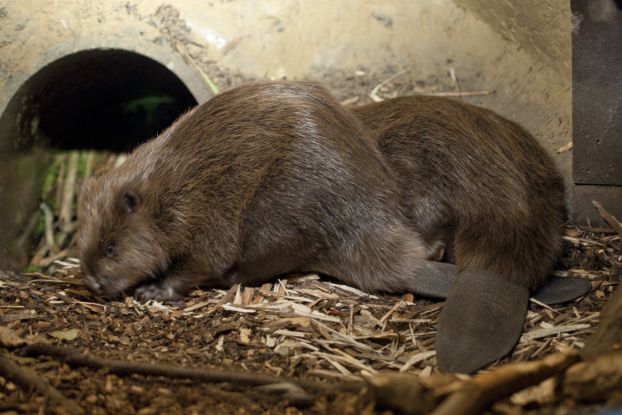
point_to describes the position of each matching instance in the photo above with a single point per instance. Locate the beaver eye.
(110, 251)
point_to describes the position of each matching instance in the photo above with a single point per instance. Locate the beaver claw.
(160, 291)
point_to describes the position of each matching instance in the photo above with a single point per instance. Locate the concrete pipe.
(72, 73)
(86, 93)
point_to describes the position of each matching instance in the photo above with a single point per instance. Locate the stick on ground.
(487, 388)
(75, 358)
(29, 379)
(608, 217)
(66, 208)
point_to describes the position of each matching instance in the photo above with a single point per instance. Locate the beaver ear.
(129, 201)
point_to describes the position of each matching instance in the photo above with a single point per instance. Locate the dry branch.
(122, 368)
(30, 380)
(608, 217)
(477, 394)
(46, 262)
(596, 380)
(459, 93)
(608, 335)
(374, 92)
(407, 393)
(49, 227)
(66, 208)
(88, 164)
(58, 188)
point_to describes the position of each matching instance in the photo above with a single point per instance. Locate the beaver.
(480, 185)
(263, 180)
(274, 178)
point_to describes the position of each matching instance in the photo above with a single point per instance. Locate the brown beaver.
(276, 177)
(474, 180)
(481, 185)
(262, 180)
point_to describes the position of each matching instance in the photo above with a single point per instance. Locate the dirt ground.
(300, 328)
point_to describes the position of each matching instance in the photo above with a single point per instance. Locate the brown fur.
(276, 177)
(475, 181)
(262, 180)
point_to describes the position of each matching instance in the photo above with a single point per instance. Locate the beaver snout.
(91, 283)
(88, 276)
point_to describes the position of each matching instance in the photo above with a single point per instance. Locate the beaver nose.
(92, 284)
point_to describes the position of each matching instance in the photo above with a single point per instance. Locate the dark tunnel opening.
(107, 100)
(97, 99)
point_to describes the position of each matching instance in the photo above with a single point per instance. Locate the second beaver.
(482, 186)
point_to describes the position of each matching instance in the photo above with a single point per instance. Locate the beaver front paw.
(160, 291)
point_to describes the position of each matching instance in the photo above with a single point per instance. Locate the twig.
(88, 164)
(65, 214)
(62, 162)
(29, 380)
(552, 331)
(388, 314)
(565, 148)
(28, 231)
(489, 387)
(121, 368)
(45, 262)
(49, 227)
(40, 252)
(578, 241)
(208, 81)
(60, 281)
(595, 380)
(374, 92)
(458, 93)
(454, 78)
(597, 230)
(608, 217)
(608, 335)
(349, 101)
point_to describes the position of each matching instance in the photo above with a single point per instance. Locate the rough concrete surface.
(491, 46)
(541, 27)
